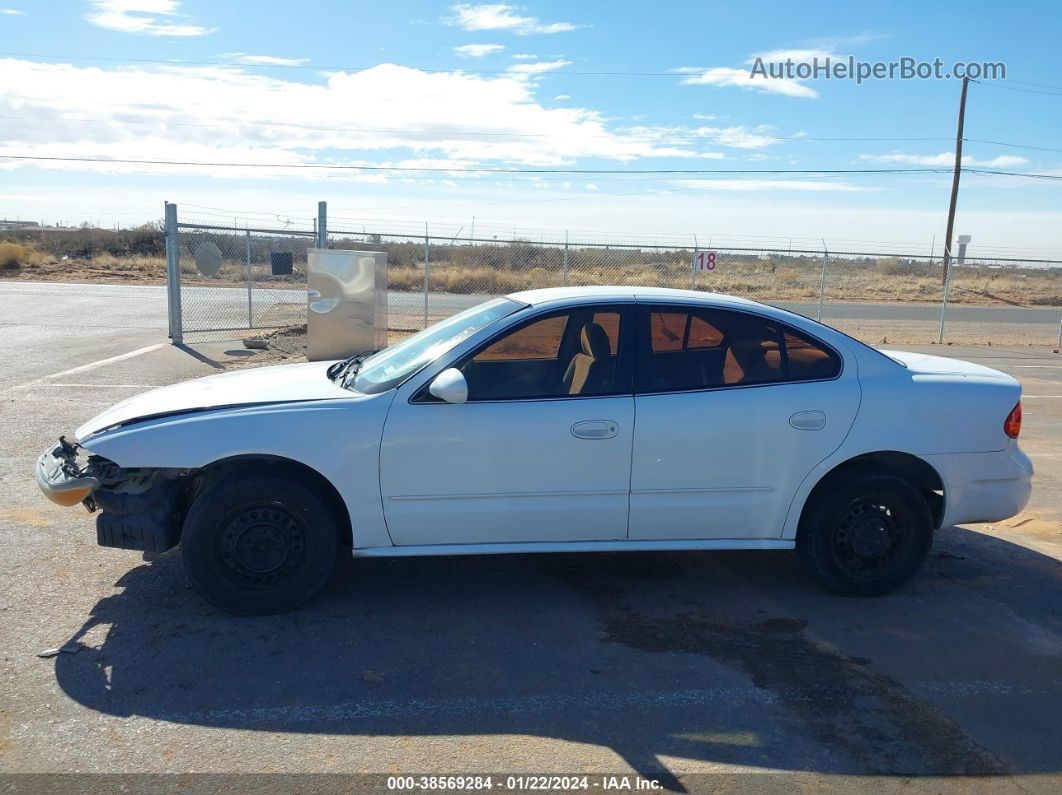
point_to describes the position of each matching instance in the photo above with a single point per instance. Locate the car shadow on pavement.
(722, 658)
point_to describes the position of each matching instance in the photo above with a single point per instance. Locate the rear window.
(808, 360)
(703, 348)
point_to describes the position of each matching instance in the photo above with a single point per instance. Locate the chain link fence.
(251, 279)
(238, 280)
(877, 298)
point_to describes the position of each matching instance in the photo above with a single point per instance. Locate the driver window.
(569, 354)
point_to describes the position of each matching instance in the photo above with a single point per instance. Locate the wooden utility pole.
(955, 179)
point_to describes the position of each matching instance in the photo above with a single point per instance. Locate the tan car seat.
(589, 370)
(752, 361)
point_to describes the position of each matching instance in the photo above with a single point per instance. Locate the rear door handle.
(808, 420)
(595, 429)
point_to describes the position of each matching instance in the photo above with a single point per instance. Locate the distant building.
(7, 226)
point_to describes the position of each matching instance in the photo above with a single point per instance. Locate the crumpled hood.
(927, 364)
(285, 383)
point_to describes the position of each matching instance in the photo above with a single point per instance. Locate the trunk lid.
(926, 364)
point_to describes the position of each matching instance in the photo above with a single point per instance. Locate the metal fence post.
(564, 269)
(322, 224)
(250, 319)
(427, 274)
(947, 289)
(693, 265)
(173, 275)
(822, 280)
(1059, 343)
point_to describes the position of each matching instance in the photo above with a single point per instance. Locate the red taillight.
(1012, 424)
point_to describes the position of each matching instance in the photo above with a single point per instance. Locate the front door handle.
(595, 429)
(808, 420)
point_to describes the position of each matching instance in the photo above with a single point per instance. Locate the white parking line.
(92, 365)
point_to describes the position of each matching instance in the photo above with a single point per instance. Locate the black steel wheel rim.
(870, 537)
(262, 545)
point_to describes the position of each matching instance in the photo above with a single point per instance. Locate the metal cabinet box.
(346, 302)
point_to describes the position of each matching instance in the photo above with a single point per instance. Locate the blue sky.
(459, 86)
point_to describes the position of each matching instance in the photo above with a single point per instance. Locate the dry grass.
(495, 270)
(13, 256)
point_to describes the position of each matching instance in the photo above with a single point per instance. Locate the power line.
(1039, 85)
(440, 132)
(1011, 173)
(233, 64)
(1018, 88)
(318, 67)
(1013, 146)
(484, 170)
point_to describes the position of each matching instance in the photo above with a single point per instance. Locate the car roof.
(550, 295)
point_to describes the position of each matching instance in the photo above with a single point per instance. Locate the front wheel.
(865, 534)
(258, 545)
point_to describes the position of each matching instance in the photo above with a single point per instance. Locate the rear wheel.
(258, 545)
(865, 534)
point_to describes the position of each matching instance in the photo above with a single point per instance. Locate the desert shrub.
(13, 256)
(892, 266)
(88, 242)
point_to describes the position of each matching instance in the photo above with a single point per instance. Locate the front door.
(540, 452)
(733, 411)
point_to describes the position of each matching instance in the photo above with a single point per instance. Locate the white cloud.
(214, 114)
(947, 159)
(746, 185)
(538, 67)
(12, 12)
(523, 56)
(502, 16)
(739, 137)
(478, 50)
(148, 17)
(265, 60)
(742, 78)
(735, 137)
(796, 56)
(562, 97)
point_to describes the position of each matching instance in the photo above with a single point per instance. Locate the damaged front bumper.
(139, 509)
(61, 479)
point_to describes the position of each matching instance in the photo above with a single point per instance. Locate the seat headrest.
(750, 353)
(595, 341)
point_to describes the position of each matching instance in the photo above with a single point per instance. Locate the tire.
(258, 545)
(865, 534)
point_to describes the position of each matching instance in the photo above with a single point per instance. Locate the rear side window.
(697, 348)
(808, 360)
(666, 330)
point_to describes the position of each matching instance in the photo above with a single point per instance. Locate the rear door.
(538, 453)
(733, 410)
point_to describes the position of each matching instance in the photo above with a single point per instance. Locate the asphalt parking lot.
(697, 669)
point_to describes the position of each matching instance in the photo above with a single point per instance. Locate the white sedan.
(559, 420)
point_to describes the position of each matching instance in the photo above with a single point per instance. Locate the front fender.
(340, 439)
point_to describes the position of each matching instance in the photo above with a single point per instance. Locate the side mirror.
(450, 385)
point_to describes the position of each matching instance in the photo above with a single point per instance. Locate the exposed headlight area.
(139, 508)
(61, 477)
